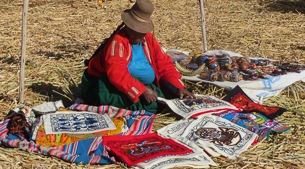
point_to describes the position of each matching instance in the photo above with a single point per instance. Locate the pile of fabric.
(86, 134)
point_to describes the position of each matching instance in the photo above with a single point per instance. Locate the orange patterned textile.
(67, 138)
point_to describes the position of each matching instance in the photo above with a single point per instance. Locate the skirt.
(99, 91)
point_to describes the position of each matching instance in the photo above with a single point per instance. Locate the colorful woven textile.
(135, 149)
(41, 138)
(127, 123)
(18, 124)
(238, 98)
(138, 122)
(89, 151)
(85, 149)
(256, 123)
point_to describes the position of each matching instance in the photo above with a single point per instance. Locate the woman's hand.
(150, 95)
(184, 93)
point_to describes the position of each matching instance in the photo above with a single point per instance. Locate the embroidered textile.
(193, 107)
(223, 136)
(238, 98)
(76, 122)
(138, 122)
(175, 129)
(255, 122)
(197, 159)
(41, 138)
(85, 150)
(135, 149)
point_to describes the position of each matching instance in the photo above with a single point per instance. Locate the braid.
(115, 31)
(104, 42)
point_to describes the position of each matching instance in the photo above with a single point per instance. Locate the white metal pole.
(203, 26)
(23, 50)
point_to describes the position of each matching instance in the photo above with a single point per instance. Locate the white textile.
(203, 104)
(76, 122)
(223, 136)
(214, 134)
(261, 89)
(49, 106)
(222, 52)
(175, 129)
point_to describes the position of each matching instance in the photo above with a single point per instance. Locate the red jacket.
(113, 62)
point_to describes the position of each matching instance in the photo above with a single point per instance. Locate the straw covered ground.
(62, 33)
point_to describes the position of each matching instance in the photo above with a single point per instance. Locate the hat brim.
(138, 26)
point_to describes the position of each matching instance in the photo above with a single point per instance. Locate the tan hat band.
(137, 17)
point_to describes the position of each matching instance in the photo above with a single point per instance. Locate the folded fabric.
(48, 107)
(201, 104)
(45, 108)
(238, 98)
(135, 149)
(18, 124)
(110, 110)
(223, 136)
(256, 123)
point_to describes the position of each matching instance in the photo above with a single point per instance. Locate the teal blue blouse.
(139, 66)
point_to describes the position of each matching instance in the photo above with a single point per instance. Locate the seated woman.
(130, 70)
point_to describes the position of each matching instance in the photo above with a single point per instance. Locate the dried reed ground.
(62, 33)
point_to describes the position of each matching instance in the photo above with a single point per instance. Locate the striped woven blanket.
(88, 151)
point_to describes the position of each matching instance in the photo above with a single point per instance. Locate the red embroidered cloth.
(135, 149)
(239, 98)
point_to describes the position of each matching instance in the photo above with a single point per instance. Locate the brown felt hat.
(138, 17)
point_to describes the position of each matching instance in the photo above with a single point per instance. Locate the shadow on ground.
(301, 47)
(55, 93)
(64, 51)
(287, 6)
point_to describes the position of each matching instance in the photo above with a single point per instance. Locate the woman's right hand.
(150, 95)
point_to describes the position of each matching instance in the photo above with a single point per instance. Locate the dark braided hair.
(104, 42)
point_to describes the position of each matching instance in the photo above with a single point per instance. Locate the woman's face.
(134, 37)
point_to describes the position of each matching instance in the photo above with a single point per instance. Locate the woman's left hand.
(184, 93)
